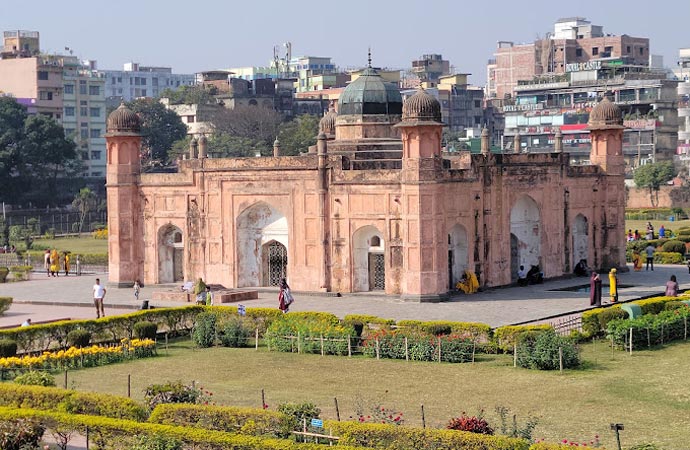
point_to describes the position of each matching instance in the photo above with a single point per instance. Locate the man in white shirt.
(522, 276)
(98, 295)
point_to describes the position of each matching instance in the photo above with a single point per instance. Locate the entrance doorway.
(369, 262)
(170, 254)
(274, 263)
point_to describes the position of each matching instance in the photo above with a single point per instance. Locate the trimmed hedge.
(107, 433)
(394, 437)
(5, 303)
(472, 330)
(8, 348)
(246, 421)
(594, 321)
(507, 336)
(307, 331)
(421, 346)
(72, 402)
(651, 329)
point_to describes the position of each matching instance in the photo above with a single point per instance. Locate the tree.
(85, 201)
(257, 124)
(298, 134)
(12, 117)
(46, 150)
(652, 176)
(160, 128)
(190, 95)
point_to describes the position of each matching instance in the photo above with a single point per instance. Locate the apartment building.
(135, 81)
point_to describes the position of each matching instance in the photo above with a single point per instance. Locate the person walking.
(637, 260)
(613, 285)
(595, 289)
(649, 250)
(137, 289)
(98, 296)
(66, 263)
(54, 263)
(208, 296)
(672, 287)
(46, 262)
(285, 298)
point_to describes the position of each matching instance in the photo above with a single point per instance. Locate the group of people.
(8, 249)
(595, 287)
(53, 263)
(637, 258)
(649, 233)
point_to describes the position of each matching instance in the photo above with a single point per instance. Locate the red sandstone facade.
(369, 210)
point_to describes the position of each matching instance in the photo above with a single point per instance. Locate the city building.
(430, 68)
(374, 206)
(574, 41)
(548, 103)
(135, 81)
(683, 75)
(59, 86)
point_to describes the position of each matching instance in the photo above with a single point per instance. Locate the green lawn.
(641, 225)
(648, 392)
(81, 245)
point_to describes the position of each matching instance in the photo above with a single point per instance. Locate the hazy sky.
(192, 36)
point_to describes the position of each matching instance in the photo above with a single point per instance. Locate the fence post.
(649, 339)
(337, 410)
(263, 399)
(474, 348)
(299, 342)
(423, 418)
(439, 348)
(322, 345)
(129, 385)
(377, 349)
(407, 350)
(65, 378)
(256, 338)
(662, 333)
(631, 340)
(560, 359)
(685, 319)
(87, 437)
(349, 346)
(612, 353)
(515, 354)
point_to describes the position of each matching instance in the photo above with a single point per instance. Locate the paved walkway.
(43, 298)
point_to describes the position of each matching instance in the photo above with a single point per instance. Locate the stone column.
(203, 146)
(558, 141)
(193, 145)
(486, 149)
(276, 148)
(517, 147)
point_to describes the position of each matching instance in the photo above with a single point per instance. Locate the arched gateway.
(262, 246)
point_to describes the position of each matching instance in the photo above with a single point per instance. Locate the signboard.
(317, 423)
(640, 124)
(578, 67)
(241, 310)
(523, 107)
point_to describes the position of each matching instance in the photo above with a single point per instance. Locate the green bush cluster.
(651, 329)
(72, 402)
(8, 348)
(35, 378)
(542, 351)
(507, 336)
(595, 321)
(4, 271)
(235, 332)
(363, 323)
(145, 330)
(674, 246)
(5, 302)
(171, 392)
(20, 434)
(420, 346)
(204, 333)
(307, 332)
(78, 338)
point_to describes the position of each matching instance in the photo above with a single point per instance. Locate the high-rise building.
(574, 41)
(135, 81)
(431, 68)
(683, 76)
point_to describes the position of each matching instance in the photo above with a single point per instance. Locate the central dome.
(370, 94)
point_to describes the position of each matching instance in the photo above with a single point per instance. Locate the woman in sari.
(66, 264)
(637, 261)
(469, 283)
(54, 263)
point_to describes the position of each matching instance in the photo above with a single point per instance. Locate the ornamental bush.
(204, 334)
(171, 392)
(78, 338)
(307, 332)
(235, 332)
(507, 336)
(35, 378)
(5, 302)
(651, 329)
(674, 246)
(300, 411)
(542, 352)
(145, 330)
(420, 346)
(4, 271)
(473, 424)
(8, 348)
(156, 441)
(20, 434)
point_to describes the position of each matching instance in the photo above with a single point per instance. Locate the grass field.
(84, 244)
(641, 225)
(647, 392)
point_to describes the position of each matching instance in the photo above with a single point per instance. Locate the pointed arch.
(458, 256)
(525, 230)
(170, 254)
(368, 259)
(580, 239)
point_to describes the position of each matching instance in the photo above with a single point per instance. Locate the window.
(143, 81)
(84, 133)
(578, 52)
(69, 132)
(94, 90)
(119, 79)
(113, 81)
(375, 241)
(82, 88)
(84, 124)
(95, 112)
(641, 50)
(45, 95)
(85, 156)
(42, 75)
(96, 174)
(627, 49)
(608, 49)
(69, 89)
(96, 154)
(154, 81)
(69, 111)
(477, 103)
(477, 120)
(83, 111)
(83, 103)
(95, 133)
(143, 92)
(595, 50)
(190, 119)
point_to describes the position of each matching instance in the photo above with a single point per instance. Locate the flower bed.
(418, 346)
(74, 357)
(309, 333)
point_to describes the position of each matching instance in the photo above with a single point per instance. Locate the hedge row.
(506, 337)
(595, 321)
(650, 330)
(106, 433)
(393, 437)
(72, 402)
(419, 346)
(246, 421)
(5, 303)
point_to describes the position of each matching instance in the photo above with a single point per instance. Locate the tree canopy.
(33, 152)
(653, 176)
(190, 95)
(298, 134)
(160, 128)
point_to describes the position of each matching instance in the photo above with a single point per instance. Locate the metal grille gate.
(277, 263)
(377, 281)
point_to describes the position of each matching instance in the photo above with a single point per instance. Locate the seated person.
(535, 275)
(522, 276)
(468, 284)
(581, 268)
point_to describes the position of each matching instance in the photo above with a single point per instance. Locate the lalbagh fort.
(375, 205)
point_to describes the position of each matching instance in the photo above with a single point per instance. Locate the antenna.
(369, 58)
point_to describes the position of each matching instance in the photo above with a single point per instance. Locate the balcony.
(684, 135)
(684, 88)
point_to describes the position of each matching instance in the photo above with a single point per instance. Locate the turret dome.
(605, 114)
(370, 94)
(123, 119)
(422, 107)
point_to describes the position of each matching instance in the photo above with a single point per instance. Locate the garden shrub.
(145, 330)
(420, 346)
(235, 332)
(35, 378)
(20, 273)
(651, 329)
(204, 334)
(674, 246)
(473, 424)
(4, 271)
(392, 437)
(73, 402)
(8, 348)
(172, 392)
(249, 421)
(295, 332)
(595, 321)
(669, 306)
(668, 258)
(5, 302)
(20, 434)
(156, 441)
(300, 411)
(362, 323)
(507, 336)
(609, 314)
(541, 352)
(78, 338)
